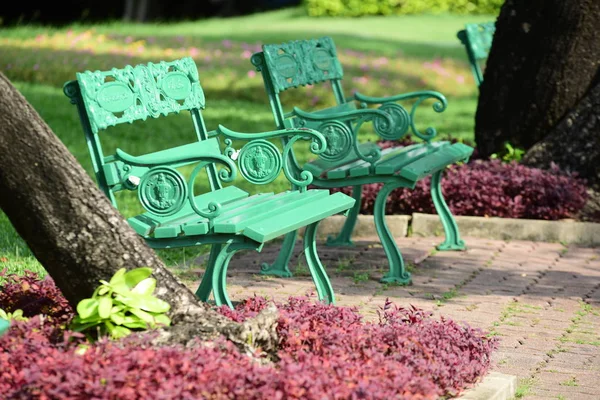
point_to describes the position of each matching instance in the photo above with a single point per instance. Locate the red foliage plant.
(34, 296)
(489, 188)
(325, 352)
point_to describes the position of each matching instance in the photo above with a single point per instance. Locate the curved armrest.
(402, 118)
(367, 113)
(270, 151)
(306, 132)
(188, 154)
(150, 160)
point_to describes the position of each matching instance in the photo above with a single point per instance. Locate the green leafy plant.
(16, 315)
(511, 153)
(123, 304)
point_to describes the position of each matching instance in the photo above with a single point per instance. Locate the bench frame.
(298, 63)
(108, 98)
(477, 39)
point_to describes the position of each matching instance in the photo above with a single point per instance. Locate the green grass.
(381, 56)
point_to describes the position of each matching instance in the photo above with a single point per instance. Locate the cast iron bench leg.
(317, 271)
(280, 266)
(205, 288)
(397, 272)
(453, 240)
(219, 276)
(344, 238)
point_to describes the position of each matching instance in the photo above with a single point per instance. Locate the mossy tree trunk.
(544, 61)
(78, 236)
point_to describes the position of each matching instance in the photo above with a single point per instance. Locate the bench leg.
(453, 240)
(280, 266)
(397, 273)
(344, 238)
(318, 273)
(205, 288)
(215, 278)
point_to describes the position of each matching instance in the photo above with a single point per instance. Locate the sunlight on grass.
(15, 256)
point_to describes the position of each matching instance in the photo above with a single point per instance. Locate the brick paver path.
(541, 299)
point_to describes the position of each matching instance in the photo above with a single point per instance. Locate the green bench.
(4, 325)
(349, 161)
(225, 217)
(477, 39)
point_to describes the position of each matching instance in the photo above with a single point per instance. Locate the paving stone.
(527, 292)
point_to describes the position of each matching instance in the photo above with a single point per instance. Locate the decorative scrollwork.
(306, 177)
(394, 127)
(162, 191)
(339, 140)
(260, 162)
(438, 106)
(229, 150)
(257, 60)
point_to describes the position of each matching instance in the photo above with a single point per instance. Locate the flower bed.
(489, 188)
(326, 352)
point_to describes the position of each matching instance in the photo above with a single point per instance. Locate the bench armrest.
(267, 161)
(148, 161)
(401, 119)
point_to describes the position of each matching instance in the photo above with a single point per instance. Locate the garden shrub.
(325, 352)
(359, 8)
(34, 296)
(489, 188)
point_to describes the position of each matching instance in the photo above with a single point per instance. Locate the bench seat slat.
(201, 226)
(311, 211)
(356, 167)
(437, 161)
(320, 167)
(403, 156)
(170, 226)
(274, 206)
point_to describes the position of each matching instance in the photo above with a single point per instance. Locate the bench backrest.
(134, 93)
(298, 63)
(477, 39)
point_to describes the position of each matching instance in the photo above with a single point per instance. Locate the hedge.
(360, 8)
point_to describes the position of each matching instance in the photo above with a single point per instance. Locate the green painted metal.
(477, 39)
(226, 217)
(348, 161)
(397, 271)
(4, 325)
(319, 276)
(453, 240)
(344, 238)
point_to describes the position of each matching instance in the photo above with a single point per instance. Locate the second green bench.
(350, 161)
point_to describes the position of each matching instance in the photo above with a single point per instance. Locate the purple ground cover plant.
(326, 352)
(488, 188)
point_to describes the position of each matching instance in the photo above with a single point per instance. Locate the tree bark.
(544, 58)
(79, 237)
(573, 144)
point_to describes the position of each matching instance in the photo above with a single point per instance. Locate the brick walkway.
(541, 299)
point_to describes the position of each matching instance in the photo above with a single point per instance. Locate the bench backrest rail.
(133, 93)
(477, 39)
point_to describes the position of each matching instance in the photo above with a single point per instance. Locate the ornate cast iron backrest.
(477, 39)
(133, 93)
(480, 38)
(302, 62)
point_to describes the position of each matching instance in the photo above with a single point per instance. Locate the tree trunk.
(544, 58)
(78, 236)
(128, 12)
(573, 144)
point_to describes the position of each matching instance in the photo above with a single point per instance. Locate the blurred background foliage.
(90, 11)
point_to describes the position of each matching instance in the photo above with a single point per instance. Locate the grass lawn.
(380, 55)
